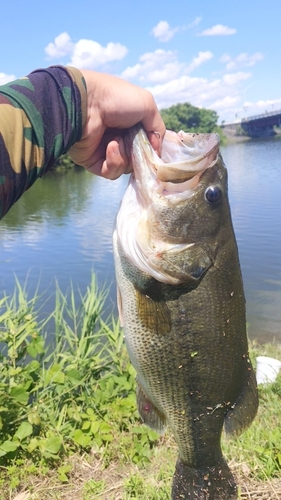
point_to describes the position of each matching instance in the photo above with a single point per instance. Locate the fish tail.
(211, 483)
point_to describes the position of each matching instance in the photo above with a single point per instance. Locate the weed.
(73, 395)
(134, 486)
(74, 399)
(91, 488)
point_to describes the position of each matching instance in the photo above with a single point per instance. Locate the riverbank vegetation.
(64, 162)
(68, 418)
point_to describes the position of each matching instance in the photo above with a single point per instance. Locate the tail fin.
(211, 483)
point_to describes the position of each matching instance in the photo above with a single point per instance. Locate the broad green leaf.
(8, 446)
(73, 374)
(20, 395)
(36, 346)
(65, 469)
(105, 428)
(80, 438)
(139, 430)
(55, 375)
(86, 425)
(95, 427)
(98, 441)
(63, 477)
(33, 366)
(107, 437)
(25, 429)
(53, 445)
(34, 418)
(75, 414)
(62, 473)
(33, 444)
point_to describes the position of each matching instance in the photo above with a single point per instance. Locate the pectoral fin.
(150, 415)
(240, 416)
(153, 312)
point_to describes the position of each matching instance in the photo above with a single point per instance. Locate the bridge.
(255, 126)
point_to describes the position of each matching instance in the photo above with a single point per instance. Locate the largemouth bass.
(181, 302)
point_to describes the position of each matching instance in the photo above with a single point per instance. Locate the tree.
(190, 119)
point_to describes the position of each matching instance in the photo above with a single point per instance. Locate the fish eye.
(213, 194)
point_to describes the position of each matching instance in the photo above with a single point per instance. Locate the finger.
(115, 162)
(154, 125)
(155, 141)
(95, 160)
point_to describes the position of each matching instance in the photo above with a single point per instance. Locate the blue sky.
(215, 54)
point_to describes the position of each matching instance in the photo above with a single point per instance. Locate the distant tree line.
(190, 119)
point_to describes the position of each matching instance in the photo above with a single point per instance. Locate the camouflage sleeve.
(41, 117)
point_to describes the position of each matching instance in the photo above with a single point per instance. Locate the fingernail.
(157, 133)
(154, 139)
(116, 145)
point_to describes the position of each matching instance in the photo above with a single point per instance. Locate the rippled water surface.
(61, 230)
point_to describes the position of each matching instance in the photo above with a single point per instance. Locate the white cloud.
(85, 53)
(242, 60)
(269, 104)
(183, 89)
(132, 72)
(220, 94)
(161, 66)
(232, 79)
(218, 29)
(163, 32)
(157, 66)
(195, 23)
(225, 103)
(90, 54)
(6, 78)
(198, 60)
(61, 46)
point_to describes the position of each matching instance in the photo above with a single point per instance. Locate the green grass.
(68, 418)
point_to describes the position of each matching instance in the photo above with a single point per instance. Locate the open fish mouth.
(186, 154)
(184, 157)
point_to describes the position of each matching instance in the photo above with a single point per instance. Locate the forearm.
(41, 117)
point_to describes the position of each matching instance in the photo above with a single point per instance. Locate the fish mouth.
(185, 156)
(191, 153)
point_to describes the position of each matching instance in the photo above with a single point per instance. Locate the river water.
(60, 230)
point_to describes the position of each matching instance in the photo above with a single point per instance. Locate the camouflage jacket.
(41, 117)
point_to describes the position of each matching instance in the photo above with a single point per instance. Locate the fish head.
(174, 210)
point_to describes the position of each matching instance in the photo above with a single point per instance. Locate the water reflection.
(51, 198)
(254, 190)
(61, 230)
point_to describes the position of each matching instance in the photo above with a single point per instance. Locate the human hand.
(114, 105)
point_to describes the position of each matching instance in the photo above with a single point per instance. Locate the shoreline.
(232, 136)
